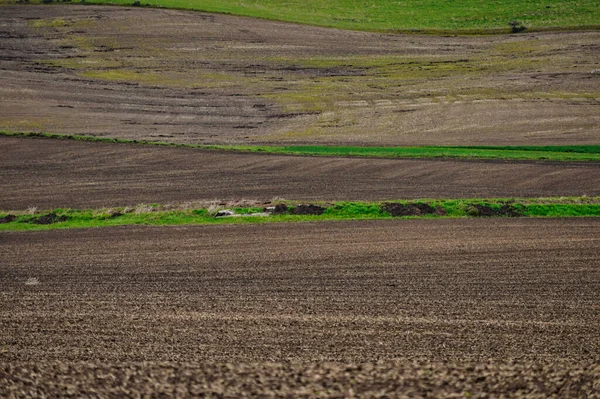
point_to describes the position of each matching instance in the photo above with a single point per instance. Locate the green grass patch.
(155, 215)
(582, 153)
(558, 153)
(425, 16)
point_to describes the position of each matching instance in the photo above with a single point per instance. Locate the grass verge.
(582, 153)
(425, 16)
(289, 211)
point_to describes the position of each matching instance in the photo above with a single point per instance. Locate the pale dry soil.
(200, 78)
(61, 173)
(490, 307)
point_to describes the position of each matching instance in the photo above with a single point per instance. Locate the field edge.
(284, 211)
(560, 153)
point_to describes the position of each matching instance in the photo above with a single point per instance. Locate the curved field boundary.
(585, 153)
(429, 16)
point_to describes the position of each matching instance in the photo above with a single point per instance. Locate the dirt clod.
(485, 210)
(411, 209)
(279, 209)
(308, 209)
(50, 219)
(7, 219)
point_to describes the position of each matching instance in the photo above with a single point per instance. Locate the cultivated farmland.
(475, 305)
(200, 78)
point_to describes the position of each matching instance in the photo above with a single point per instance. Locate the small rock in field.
(32, 281)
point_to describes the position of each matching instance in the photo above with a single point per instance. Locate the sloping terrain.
(63, 173)
(396, 308)
(201, 78)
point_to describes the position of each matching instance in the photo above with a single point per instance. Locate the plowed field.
(397, 308)
(53, 173)
(470, 292)
(446, 289)
(192, 77)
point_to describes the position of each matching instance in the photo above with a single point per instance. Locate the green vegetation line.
(424, 16)
(289, 211)
(585, 153)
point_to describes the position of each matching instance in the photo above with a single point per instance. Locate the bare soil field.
(348, 291)
(447, 306)
(63, 173)
(200, 78)
(391, 379)
(411, 308)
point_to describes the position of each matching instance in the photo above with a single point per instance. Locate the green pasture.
(429, 16)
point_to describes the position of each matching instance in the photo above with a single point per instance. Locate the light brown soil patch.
(193, 77)
(54, 173)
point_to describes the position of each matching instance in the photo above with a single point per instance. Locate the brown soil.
(52, 173)
(470, 289)
(7, 218)
(416, 209)
(192, 77)
(50, 218)
(421, 308)
(502, 305)
(392, 379)
(308, 209)
(483, 210)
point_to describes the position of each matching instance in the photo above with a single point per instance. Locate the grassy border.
(411, 31)
(156, 215)
(564, 153)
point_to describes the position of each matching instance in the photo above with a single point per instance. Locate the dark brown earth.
(56, 173)
(496, 306)
(194, 77)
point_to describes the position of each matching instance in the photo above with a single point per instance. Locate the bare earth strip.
(53, 173)
(504, 302)
(392, 379)
(200, 78)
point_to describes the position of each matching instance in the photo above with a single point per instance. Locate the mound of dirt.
(50, 219)
(304, 209)
(279, 209)
(7, 219)
(412, 209)
(485, 210)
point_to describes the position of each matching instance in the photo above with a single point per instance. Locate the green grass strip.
(558, 153)
(155, 215)
(423, 16)
(580, 153)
